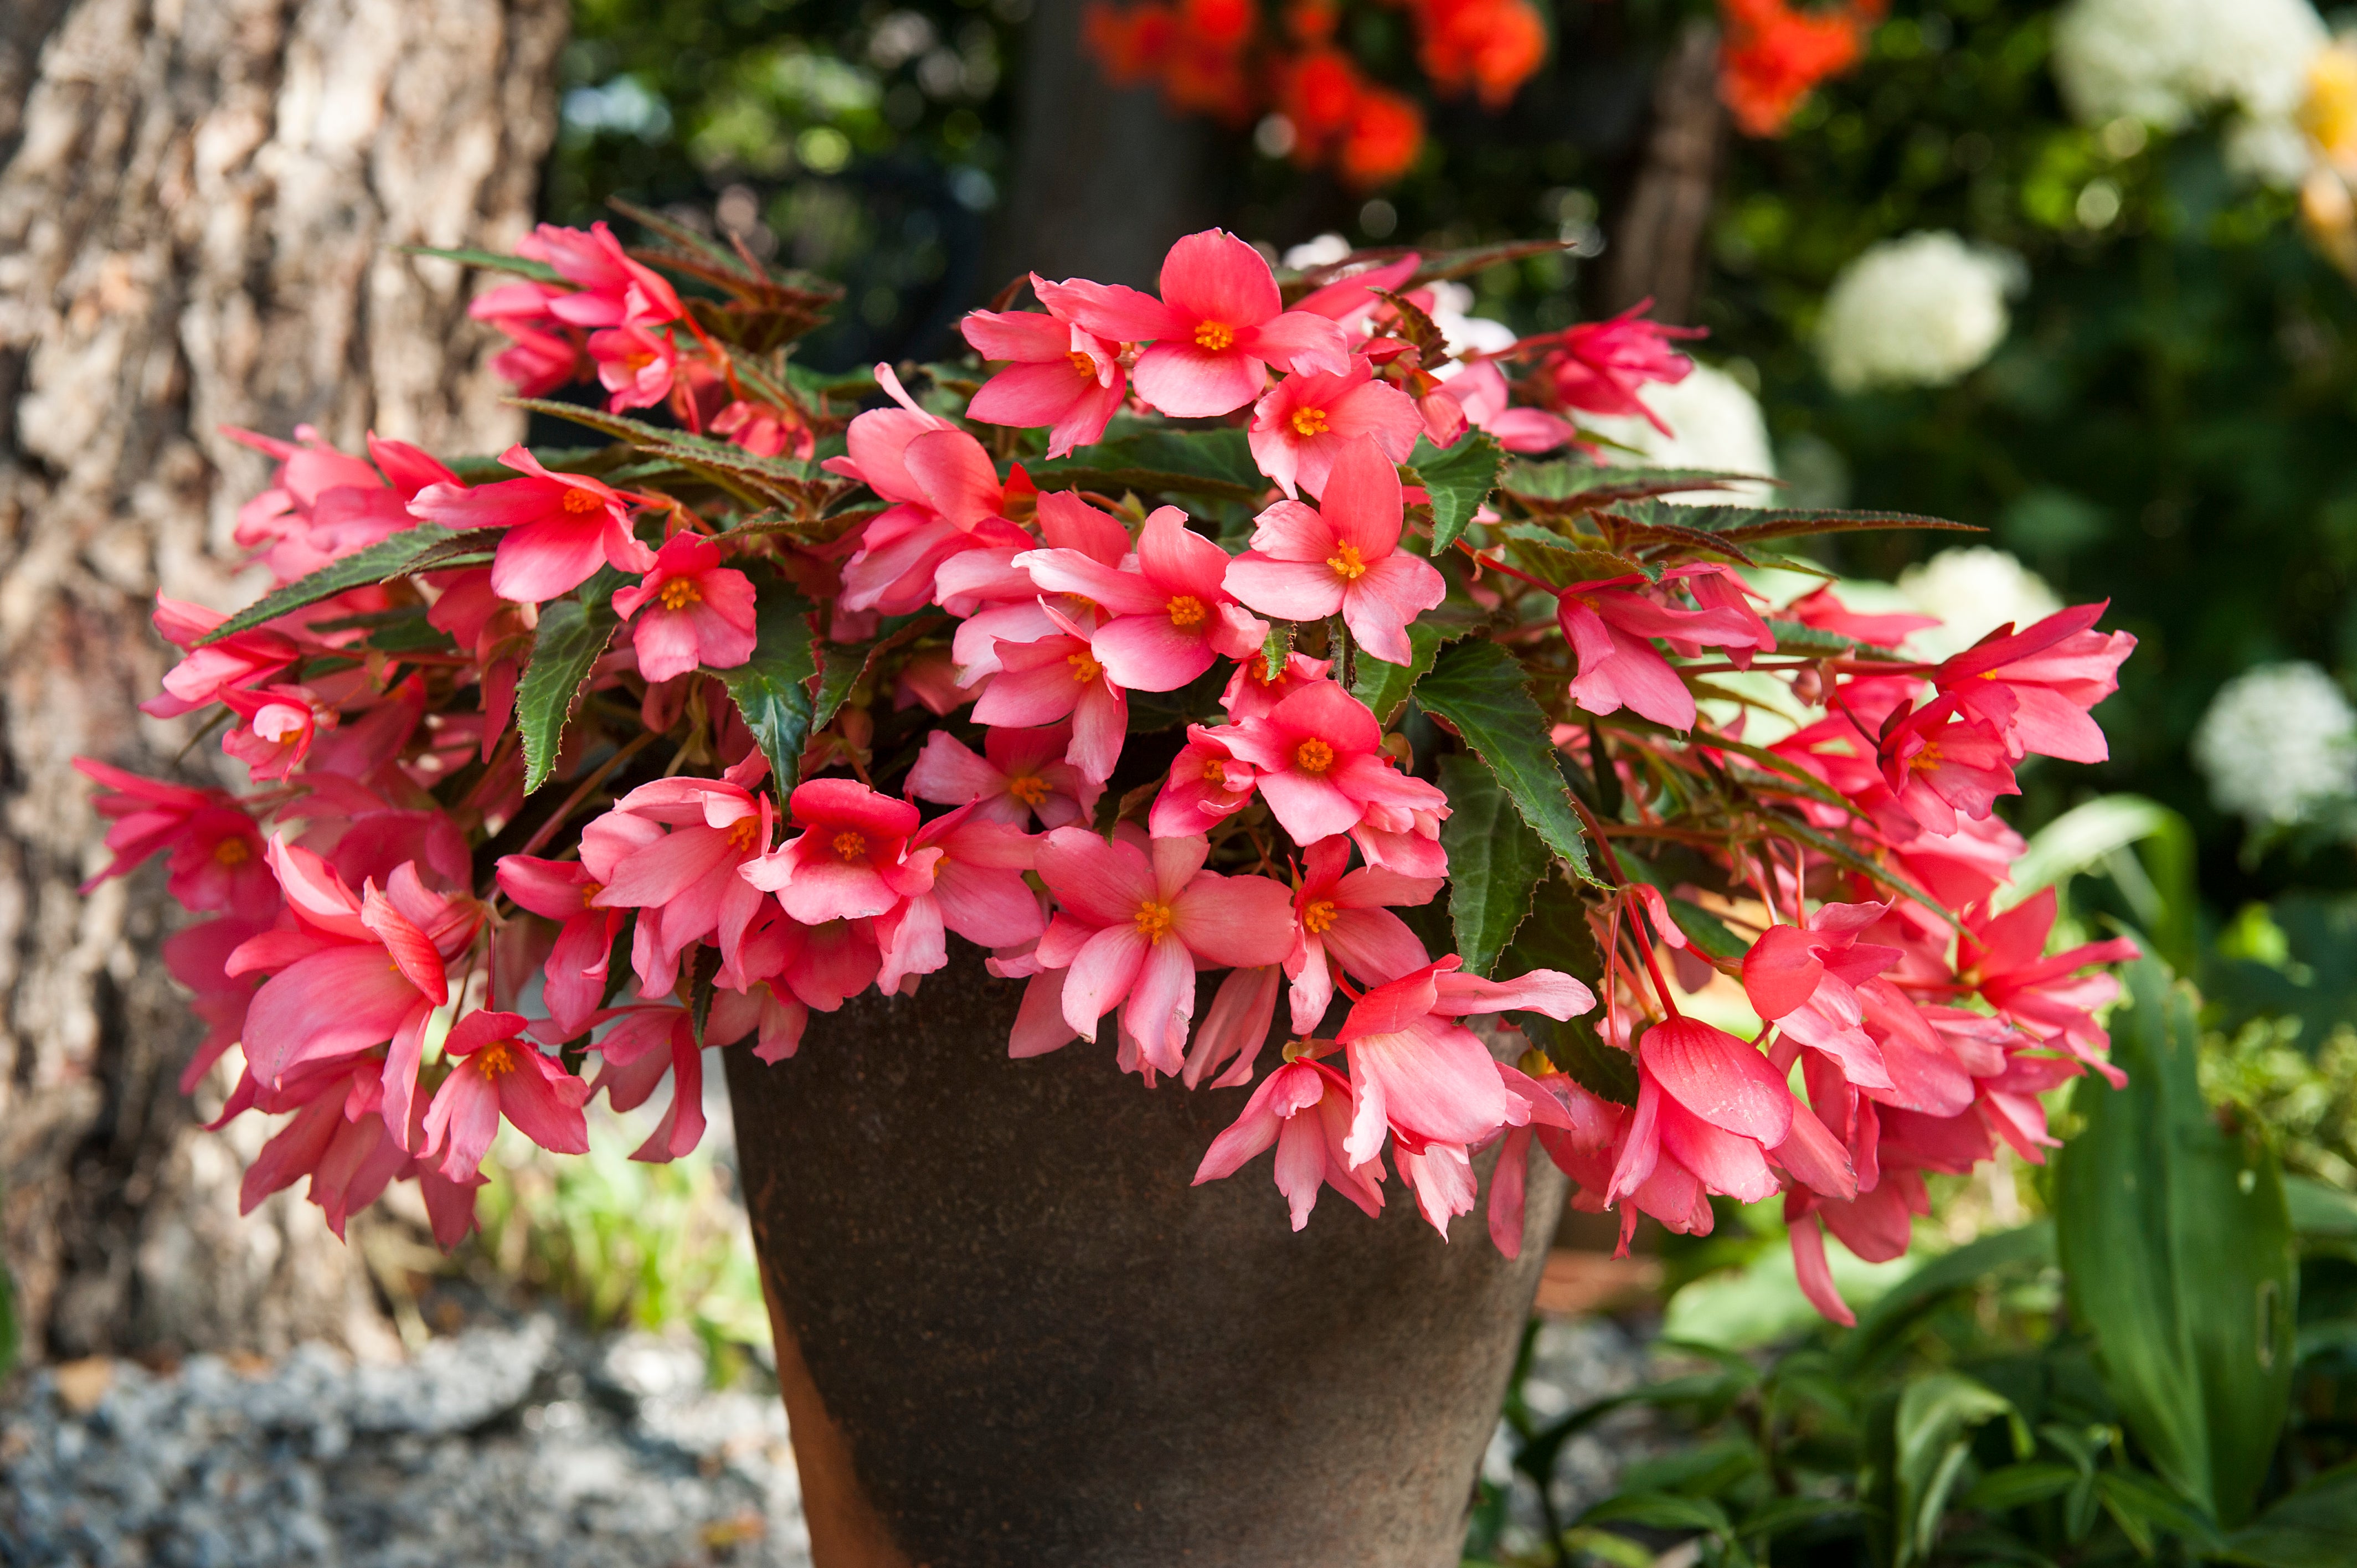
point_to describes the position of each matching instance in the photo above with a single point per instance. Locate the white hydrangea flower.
(1922, 310)
(1322, 251)
(2277, 742)
(1973, 590)
(2165, 62)
(1714, 423)
(1466, 334)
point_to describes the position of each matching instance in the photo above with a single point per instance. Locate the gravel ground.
(499, 1447)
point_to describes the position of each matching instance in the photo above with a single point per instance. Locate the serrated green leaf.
(1556, 937)
(1739, 525)
(1547, 555)
(1157, 460)
(1384, 688)
(574, 631)
(386, 558)
(1483, 693)
(1458, 480)
(772, 689)
(490, 260)
(1495, 863)
(785, 481)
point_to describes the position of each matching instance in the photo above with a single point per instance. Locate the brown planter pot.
(1011, 1333)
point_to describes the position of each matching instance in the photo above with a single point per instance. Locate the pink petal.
(1101, 976)
(1295, 590)
(1719, 1078)
(1187, 382)
(1239, 922)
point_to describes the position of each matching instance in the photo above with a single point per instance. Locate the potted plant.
(1176, 669)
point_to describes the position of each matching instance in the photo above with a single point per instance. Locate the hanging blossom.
(1176, 769)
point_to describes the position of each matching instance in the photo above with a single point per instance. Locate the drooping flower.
(1132, 925)
(1805, 980)
(2036, 685)
(1342, 556)
(615, 289)
(685, 883)
(204, 672)
(279, 725)
(565, 891)
(1020, 774)
(634, 365)
(1167, 620)
(1607, 623)
(502, 1075)
(2003, 956)
(1345, 918)
(217, 852)
(852, 860)
(560, 527)
(698, 612)
(1939, 765)
(1058, 374)
(1482, 396)
(1321, 768)
(1597, 367)
(1059, 679)
(1304, 423)
(945, 495)
(1220, 322)
(1304, 1109)
(1206, 785)
(976, 892)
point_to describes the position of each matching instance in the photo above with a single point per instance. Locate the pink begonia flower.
(1251, 693)
(1549, 1110)
(217, 851)
(1304, 423)
(534, 362)
(978, 892)
(771, 1013)
(349, 972)
(764, 430)
(336, 1139)
(280, 723)
(1321, 767)
(1350, 299)
(636, 1053)
(1940, 764)
(1344, 920)
(244, 658)
(2003, 956)
(1598, 366)
(998, 599)
(698, 612)
(1167, 620)
(561, 527)
(1307, 563)
(852, 860)
(576, 970)
(1021, 773)
(1221, 322)
(1133, 929)
(1304, 1109)
(945, 496)
(1442, 1177)
(1206, 785)
(1234, 1027)
(1821, 609)
(1056, 679)
(1717, 587)
(323, 504)
(1479, 391)
(685, 883)
(499, 1074)
(1421, 1076)
(634, 365)
(823, 966)
(1607, 622)
(1058, 374)
(1804, 980)
(2036, 685)
(615, 289)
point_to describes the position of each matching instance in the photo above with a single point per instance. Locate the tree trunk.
(1658, 246)
(200, 203)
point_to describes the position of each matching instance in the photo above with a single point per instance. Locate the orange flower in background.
(1195, 50)
(1774, 56)
(1490, 45)
(1385, 136)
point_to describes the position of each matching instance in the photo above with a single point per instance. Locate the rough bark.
(198, 212)
(1658, 246)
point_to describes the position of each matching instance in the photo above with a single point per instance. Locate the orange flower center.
(850, 844)
(1309, 422)
(497, 1060)
(1154, 921)
(1345, 563)
(1086, 668)
(232, 852)
(1083, 364)
(1317, 916)
(743, 833)
(1186, 611)
(1029, 789)
(589, 891)
(577, 501)
(1262, 673)
(1214, 336)
(679, 593)
(1314, 756)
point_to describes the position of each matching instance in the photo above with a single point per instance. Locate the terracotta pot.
(1011, 1333)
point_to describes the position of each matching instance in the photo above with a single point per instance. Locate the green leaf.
(1937, 1416)
(1159, 460)
(1495, 862)
(1952, 1274)
(1577, 485)
(2019, 1486)
(1739, 525)
(1481, 691)
(1384, 688)
(2319, 1211)
(2094, 837)
(574, 631)
(385, 558)
(772, 689)
(768, 481)
(490, 260)
(1458, 480)
(1556, 937)
(2315, 1527)
(2176, 1245)
(1660, 1510)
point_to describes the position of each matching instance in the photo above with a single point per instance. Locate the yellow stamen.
(1083, 364)
(577, 501)
(1029, 789)
(1346, 563)
(1186, 611)
(850, 844)
(1086, 668)
(497, 1060)
(1314, 756)
(744, 834)
(232, 852)
(1309, 422)
(679, 593)
(1317, 916)
(589, 891)
(1214, 336)
(1154, 921)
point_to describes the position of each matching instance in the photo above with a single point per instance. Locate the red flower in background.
(1774, 56)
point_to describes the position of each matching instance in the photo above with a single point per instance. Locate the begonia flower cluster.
(1134, 661)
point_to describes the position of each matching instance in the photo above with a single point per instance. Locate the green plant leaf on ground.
(1936, 1418)
(771, 690)
(2176, 1245)
(1495, 863)
(574, 631)
(1482, 693)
